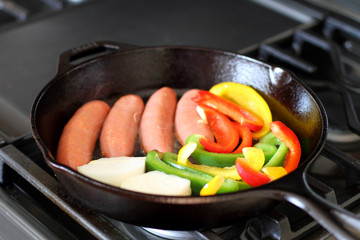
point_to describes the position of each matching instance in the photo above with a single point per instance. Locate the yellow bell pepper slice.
(255, 157)
(248, 98)
(227, 172)
(213, 186)
(188, 149)
(274, 172)
(185, 152)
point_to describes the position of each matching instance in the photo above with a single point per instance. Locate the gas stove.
(317, 41)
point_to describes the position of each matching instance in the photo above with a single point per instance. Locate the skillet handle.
(337, 221)
(78, 55)
(295, 189)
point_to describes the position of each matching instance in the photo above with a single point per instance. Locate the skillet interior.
(142, 71)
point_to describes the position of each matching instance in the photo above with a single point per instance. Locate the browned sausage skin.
(187, 119)
(79, 136)
(118, 135)
(157, 123)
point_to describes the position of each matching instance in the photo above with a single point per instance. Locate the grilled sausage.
(79, 136)
(157, 122)
(187, 119)
(118, 135)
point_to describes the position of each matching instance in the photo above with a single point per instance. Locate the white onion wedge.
(156, 182)
(113, 170)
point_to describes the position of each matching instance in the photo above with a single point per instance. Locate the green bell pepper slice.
(270, 139)
(277, 159)
(156, 161)
(268, 149)
(201, 156)
(229, 184)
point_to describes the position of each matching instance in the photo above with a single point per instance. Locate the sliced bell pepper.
(255, 157)
(245, 135)
(268, 149)
(278, 158)
(188, 149)
(213, 186)
(270, 139)
(156, 161)
(225, 133)
(198, 178)
(228, 172)
(185, 152)
(289, 138)
(274, 172)
(201, 156)
(230, 109)
(251, 176)
(248, 98)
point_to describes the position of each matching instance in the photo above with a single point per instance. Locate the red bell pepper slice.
(245, 135)
(249, 175)
(288, 137)
(225, 133)
(230, 109)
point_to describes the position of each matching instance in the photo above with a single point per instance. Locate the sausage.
(118, 135)
(157, 122)
(79, 136)
(187, 119)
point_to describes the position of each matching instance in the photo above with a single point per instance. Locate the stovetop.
(297, 35)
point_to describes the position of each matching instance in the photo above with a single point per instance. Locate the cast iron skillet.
(123, 69)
